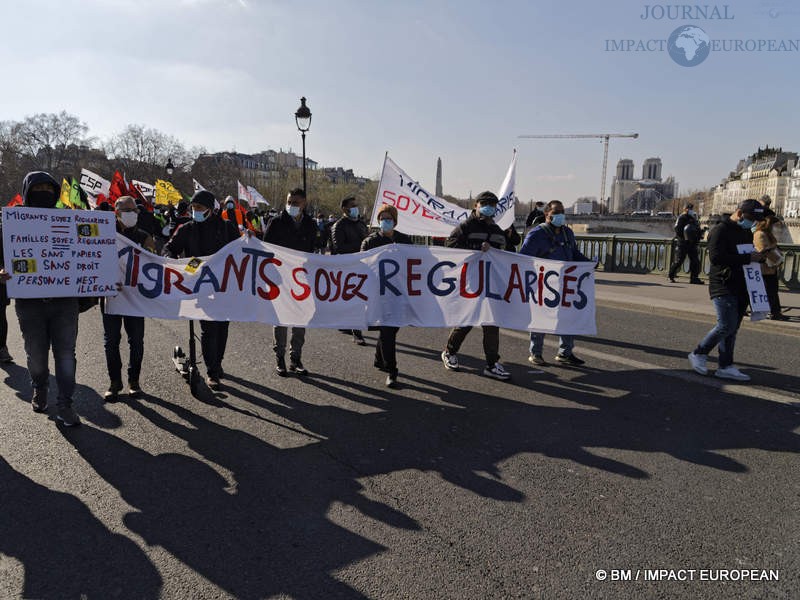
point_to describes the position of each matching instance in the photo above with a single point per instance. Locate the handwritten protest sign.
(396, 285)
(756, 290)
(53, 253)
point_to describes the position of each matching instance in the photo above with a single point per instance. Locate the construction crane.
(604, 136)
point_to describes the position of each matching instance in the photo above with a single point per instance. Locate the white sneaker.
(450, 361)
(497, 371)
(698, 362)
(731, 373)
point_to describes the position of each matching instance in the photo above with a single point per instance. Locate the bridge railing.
(654, 255)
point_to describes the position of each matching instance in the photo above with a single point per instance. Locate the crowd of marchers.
(203, 226)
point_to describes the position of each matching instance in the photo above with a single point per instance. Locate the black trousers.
(771, 285)
(386, 349)
(3, 327)
(213, 339)
(683, 250)
(491, 342)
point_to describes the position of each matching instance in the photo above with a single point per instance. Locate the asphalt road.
(454, 486)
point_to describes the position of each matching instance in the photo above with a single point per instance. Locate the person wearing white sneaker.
(728, 288)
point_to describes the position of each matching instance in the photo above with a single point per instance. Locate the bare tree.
(45, 138)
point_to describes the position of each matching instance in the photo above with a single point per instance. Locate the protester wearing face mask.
(478, 232)
(728, 288)
(687, 237)
(385, 349)
(48, 322)
(127, 213)
(231, 212)
(555, 241)
(346, 236)
(204, 235)
(294, 229)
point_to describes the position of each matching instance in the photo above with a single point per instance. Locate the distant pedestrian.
(728, 288)
(385, 349)
(536, 216)
(294, 229)
(323, 234)
(765, 242)
(555, 241)
(346, 236)
(204, 235)
(766, 202)
(687, 237)
(127, 213)
(478, 232)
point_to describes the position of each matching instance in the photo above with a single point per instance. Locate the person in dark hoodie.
(728, 288)
(294, 229)
(204, 235)
(128, 213)
(478, 232)
(346, 236)
(385, 349)
(48, 322)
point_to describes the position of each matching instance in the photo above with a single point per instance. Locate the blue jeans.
(46, 323)
(112, 336)
(730, 311)
(565, 343)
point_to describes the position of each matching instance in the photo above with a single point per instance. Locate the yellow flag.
(65, 190)
(166, 193)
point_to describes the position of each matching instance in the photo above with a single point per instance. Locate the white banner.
(756, 291)
(147, 190)
(396, 285)
(507, 196)
(422, 213)
(53, 253)
(256, 196)
(93, 185)
(244, 194)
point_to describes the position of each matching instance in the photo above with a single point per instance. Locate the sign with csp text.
(52, 253)
(394, 285)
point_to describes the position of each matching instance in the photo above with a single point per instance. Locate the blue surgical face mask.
(387, 225)
(199, 215)
(558, 219)
(746, 223)
(292, 210)
(754, 228)
(487, 210)
(352, 212)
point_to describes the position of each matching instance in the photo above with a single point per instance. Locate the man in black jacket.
(128, 218)
(346, 237)
(478, 232)
(294, 229)
(728, 288)
(204, 235)
(687, 237)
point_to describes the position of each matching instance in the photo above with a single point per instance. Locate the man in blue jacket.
(555, 241)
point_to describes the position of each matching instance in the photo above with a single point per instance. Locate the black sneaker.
(570, 359)
(112, 395)
(213, 382)
(537, 359)
(280, 366)
(39, 400)
(5, 356)
(359, 339)
(134, 389)
(68, 417)
(671, 279)
(296, 367)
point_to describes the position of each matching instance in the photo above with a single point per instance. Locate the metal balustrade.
(648, 255)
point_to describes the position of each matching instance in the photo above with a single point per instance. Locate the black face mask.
(41, 199)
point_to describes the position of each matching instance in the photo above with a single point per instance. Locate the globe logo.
(689, 45)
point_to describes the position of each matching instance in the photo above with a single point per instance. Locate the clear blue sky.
(456, 79)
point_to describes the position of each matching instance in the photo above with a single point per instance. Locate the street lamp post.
(303, 119)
